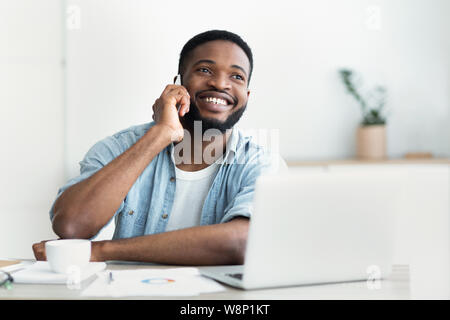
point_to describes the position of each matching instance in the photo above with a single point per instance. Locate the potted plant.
(371, 133)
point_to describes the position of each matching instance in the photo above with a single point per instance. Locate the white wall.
(125, 52)
(31, 121)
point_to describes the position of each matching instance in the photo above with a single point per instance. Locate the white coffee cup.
(64, 255)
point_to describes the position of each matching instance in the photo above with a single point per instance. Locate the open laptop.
(317, 227)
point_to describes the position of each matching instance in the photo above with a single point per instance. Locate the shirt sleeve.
(96, 158)
(242, 204)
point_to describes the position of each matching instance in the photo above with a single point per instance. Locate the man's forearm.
(218, 244)
(83, 209)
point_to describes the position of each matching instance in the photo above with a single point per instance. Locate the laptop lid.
(319, 227)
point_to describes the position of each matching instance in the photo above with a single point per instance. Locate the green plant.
(371, 106)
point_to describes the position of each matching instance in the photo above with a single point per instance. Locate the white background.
(125, 52)
(121, 55)
(31, 121)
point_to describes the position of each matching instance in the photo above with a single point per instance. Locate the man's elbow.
(67, 228)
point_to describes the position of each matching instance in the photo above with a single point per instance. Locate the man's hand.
(39, 250)
(165, 109)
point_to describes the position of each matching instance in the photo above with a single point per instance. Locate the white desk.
(397, 287)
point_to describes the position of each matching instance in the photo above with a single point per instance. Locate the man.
(175, 199)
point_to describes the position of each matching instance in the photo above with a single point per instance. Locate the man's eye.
(204, 70)
(238, 76)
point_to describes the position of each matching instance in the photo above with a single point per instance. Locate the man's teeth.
(216, 100)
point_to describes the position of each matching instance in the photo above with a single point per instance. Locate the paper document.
(151, 282)
(40, 272)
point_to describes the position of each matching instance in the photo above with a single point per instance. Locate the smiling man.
(181, 187)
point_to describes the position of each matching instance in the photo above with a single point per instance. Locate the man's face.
(216, 77)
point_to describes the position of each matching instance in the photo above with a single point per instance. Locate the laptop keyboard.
(235, 275)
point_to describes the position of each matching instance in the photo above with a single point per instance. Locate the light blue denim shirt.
(147, 206)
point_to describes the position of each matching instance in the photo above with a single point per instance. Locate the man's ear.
(248, 93)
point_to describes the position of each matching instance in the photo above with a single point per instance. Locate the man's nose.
(220, 82)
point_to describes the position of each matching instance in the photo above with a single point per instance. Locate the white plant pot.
(371, 142)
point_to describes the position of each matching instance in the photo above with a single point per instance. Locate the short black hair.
(212, 35)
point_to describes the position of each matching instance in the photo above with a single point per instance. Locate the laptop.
(317, 227)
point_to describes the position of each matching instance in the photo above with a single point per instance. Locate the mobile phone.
(178, 79)
(178, 82)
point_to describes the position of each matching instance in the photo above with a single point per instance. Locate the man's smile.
(214, 101)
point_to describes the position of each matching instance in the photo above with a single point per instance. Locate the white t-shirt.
(190, 194)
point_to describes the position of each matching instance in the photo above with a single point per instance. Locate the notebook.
(10, 265)
(40, 272)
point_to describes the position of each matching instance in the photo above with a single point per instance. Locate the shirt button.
(172, 179)
(165, 215)
(130, 212)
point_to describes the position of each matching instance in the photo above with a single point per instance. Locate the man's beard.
(210, 123)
